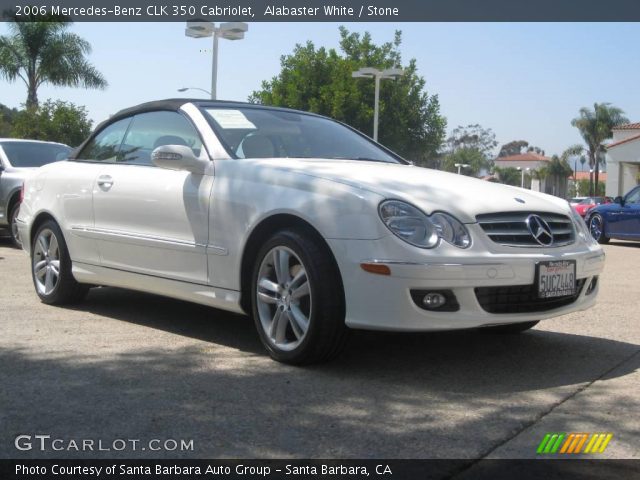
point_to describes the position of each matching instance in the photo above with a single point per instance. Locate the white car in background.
(302, 222)
(18, 159)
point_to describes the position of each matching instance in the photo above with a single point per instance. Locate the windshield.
(32, 154)
(265, 133)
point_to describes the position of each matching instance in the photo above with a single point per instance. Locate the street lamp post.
(460, 166)
(184, 89)
(229, 31)
(377, 75)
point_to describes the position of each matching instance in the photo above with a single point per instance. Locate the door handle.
(105, 182)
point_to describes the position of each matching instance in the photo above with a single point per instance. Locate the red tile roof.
(585, 176)
(628, 126)
(621, 142)
(525, 157)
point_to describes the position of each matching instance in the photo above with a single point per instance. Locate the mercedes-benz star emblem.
(540, 230)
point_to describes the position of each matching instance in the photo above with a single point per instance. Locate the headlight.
(451, 230)
(581, 227)
(416, 228)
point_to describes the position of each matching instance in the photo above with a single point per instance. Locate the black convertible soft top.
(174, 104)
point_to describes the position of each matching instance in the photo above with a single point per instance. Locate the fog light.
(592, 285)
(433, 300)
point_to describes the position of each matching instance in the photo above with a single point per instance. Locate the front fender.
(245, 193)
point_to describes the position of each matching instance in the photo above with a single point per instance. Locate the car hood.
(430, 190)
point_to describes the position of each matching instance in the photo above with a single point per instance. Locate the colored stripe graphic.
(543, 443)
(606, 441)
(574, 443)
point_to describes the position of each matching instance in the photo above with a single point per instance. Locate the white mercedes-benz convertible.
(302, 222)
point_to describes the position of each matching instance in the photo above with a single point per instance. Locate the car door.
(76, 189)
(628, 223)
(152, 220)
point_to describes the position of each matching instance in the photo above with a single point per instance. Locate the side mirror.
(619, 200)
(178, 157)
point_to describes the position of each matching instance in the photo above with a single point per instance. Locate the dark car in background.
(18, 159)
(619, 220)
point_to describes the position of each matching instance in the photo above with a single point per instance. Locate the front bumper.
(383, 302)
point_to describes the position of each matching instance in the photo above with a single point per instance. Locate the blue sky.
(523, 80)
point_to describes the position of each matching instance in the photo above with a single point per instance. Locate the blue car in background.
(619, 220)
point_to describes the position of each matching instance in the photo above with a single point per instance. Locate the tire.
(596, 228)
(49, 254)
(310, 326)
(13, 225)
(511, 328)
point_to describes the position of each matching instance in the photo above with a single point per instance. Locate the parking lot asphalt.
(127, 365)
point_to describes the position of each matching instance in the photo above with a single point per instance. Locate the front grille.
(521, 299)
(510, 228)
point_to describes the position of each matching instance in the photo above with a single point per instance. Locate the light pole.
(229, 31)
(460, 166)
(377, 75)
(184, 89)
(522, 171)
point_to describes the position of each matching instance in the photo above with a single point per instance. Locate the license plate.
(556, 278)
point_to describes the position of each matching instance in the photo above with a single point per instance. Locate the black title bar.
(328, 10)
(552, 469)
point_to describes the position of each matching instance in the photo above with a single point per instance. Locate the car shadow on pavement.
(622, 243)
(469, 361)
(389, 396)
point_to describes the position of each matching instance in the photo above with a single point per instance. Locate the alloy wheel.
(15, 233)
(595, 227)
(283, 298)
(46, 262)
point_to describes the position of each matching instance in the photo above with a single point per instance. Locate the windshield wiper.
(363, 159)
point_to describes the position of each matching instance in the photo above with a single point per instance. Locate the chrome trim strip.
(215, 250)
(137, 239)
(432, 264)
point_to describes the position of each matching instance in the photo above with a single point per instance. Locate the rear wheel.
(51, 267)
(596, 227)
(13, 225)
(298, 302)
(511, 328)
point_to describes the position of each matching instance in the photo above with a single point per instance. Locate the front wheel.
(51, 267)
(298, 301)
(596, 227)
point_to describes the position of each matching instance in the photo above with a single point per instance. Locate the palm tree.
(45, 52)
(558, 170)
(577, 153)
(595, 127)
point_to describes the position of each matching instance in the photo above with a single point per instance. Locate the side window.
(634, 196)
(105, 145)
(151, 130)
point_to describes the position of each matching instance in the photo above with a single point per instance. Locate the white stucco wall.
(623, 164)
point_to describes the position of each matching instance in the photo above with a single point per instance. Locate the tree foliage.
(319, 80)
(509, 175)
(595, 127)
(516, 147)
(556, 172)
(472, 145)
(7, 116)
(39, 52)
(56, 121)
